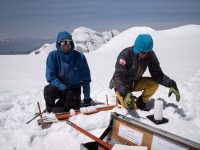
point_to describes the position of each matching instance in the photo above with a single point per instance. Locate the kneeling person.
(67, 71)
(131, 64)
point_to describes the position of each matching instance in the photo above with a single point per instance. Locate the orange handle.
(101, 142)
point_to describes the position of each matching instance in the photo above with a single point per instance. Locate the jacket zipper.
(139, 68)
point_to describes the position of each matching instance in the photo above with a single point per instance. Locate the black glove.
(87, 102)
(172, 84)
(173, 89)
(63, 92)
(123, 93)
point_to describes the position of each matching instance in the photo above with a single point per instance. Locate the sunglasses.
(145, 52)
(64, 42)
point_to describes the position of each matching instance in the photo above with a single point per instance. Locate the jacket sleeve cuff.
(123, 93)
(87, 96)
(62, 87)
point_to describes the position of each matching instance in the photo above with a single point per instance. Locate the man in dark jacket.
(131, 64)
(66, 71)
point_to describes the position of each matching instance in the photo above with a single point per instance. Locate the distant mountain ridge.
(5, 41)
(21, 45)
(85, 40)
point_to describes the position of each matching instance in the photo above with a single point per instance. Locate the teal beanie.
(143, 43)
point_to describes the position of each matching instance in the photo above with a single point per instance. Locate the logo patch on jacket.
(122, 62)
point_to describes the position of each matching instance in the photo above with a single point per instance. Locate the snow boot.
(141, 104)
(49, 104)
(49, 109)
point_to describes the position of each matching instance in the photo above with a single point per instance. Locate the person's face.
(142, 55)
(65, 45)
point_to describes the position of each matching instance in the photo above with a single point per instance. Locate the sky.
(45, 18)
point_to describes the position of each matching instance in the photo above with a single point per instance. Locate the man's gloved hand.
(87, 102)
(129, 101)
(173, 89)
(63, 92)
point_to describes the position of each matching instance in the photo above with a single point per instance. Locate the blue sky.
(45, 18)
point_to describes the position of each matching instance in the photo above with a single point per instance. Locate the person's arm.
(51, 73)
(157, 74)
(119, 74)
(85, 77)
(156, 71)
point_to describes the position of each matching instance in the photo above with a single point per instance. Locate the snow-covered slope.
(45, 49)
(23, 79)
(85, 40)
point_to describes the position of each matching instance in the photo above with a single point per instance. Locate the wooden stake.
(40, 113)
(37, 115)
(107, 99)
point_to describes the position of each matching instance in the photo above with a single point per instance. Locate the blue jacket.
(68, 70)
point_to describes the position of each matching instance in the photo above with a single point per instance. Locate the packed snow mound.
(85, 40)
(126, 38)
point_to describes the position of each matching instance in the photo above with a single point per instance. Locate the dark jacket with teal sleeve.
(68, 70)
(129, 68)
(125, 75)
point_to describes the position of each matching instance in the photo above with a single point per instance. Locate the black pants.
(57, 102)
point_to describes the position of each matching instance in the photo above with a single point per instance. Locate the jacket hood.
(143, 43)
(64, 35)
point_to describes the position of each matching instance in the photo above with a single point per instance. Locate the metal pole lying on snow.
(36, 115)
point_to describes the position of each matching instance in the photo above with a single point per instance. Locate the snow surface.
(23, 79)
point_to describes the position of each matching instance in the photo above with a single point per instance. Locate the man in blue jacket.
(131, 64)
(66, 71)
